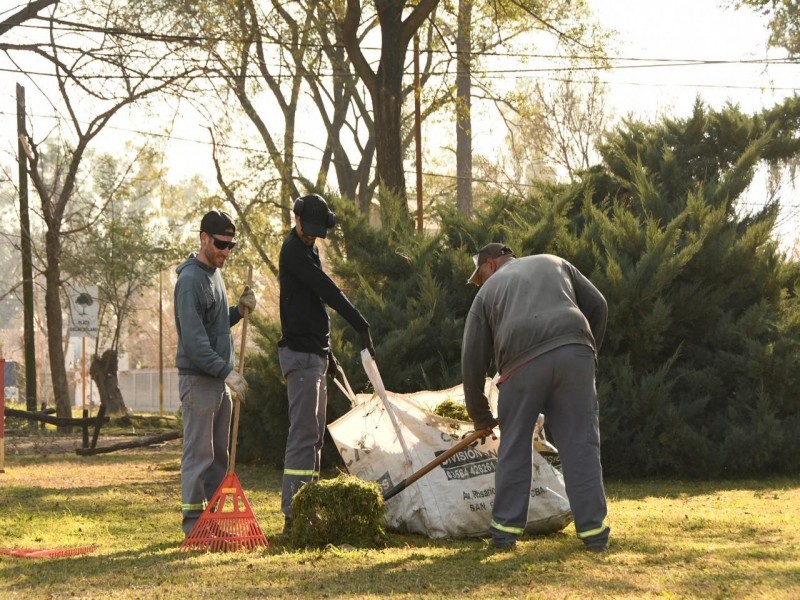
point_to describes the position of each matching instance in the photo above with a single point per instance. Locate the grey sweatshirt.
(528, 307)
(203, 320)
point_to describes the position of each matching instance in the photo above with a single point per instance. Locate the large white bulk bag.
(386, 440)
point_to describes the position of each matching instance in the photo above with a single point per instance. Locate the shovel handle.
(472, 437)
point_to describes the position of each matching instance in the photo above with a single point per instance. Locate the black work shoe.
(600, 548)
(287, 526)
(504, 544)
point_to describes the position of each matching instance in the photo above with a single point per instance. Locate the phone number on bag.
(472, 470)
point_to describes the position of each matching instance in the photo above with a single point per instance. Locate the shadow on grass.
(556, 560)
(412, 565)
(109, 503)
(640, 489)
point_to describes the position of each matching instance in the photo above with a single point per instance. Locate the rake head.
(48, 553)
(230, 535)
(228, 523)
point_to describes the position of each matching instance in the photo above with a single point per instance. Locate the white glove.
(247, 301)
(237, 384)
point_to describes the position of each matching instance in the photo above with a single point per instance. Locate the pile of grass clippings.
(452, 410)
(342, 510)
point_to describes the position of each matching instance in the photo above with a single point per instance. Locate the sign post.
(84, 313)
(2, 415)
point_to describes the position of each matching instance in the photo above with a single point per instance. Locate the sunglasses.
(222, 245)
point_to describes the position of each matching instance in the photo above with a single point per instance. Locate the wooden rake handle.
(475, 435)
(238, 401)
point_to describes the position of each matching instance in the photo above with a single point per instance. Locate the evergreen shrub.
(698, 375)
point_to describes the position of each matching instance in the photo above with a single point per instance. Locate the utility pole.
(25, 247)
(464, 108)
(160, 343)
(2, 415)
(418, 131)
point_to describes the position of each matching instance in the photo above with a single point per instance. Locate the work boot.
(287, 526)
(504, 544)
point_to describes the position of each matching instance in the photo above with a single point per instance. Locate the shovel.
(371, 368)
(472, 437)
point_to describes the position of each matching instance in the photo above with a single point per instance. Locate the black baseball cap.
(216, 222)
(315, 216)
(492, 250)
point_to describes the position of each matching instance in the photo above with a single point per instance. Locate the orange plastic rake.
(228, 523)
(48, 553)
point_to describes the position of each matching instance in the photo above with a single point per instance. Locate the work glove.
(490, 423)
(237, 384)
(247, 301)
(333, 365)
(366, 342)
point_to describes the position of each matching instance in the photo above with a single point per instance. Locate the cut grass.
(670, 539)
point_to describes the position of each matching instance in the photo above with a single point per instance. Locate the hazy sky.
(690, 30)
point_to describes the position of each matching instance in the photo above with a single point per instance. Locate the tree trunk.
(104, 373)
(55, 328)
(387, 105)
(464, 108)
(386, 85)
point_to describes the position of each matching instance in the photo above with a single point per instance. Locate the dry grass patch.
(670, 539)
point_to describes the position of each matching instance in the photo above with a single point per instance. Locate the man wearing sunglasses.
(542, 322)
(205, 356)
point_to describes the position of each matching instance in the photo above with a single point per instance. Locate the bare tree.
(98, 75)
(488, 27)
(566, 123)
(551, 134)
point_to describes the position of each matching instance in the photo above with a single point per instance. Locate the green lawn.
(670, 539)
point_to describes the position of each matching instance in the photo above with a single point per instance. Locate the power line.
(652, 62)
(519, 73)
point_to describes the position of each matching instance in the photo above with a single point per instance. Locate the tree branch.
(29, 12)
(231, 197)
(352, 19)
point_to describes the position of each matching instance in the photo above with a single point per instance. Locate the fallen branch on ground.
(149, 441)
(43, 418)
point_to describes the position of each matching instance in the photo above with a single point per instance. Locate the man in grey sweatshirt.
(542, 322)
(205, 359)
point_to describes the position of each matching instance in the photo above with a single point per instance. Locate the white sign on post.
(84, 308)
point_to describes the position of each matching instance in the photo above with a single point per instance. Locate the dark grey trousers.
(206, 407)
(560, 384)
(308, 403)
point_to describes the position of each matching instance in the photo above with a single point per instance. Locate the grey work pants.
(206, 407)
(308, 403)
(560, 384)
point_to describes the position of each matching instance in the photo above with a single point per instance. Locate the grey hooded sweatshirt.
(203, 320)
